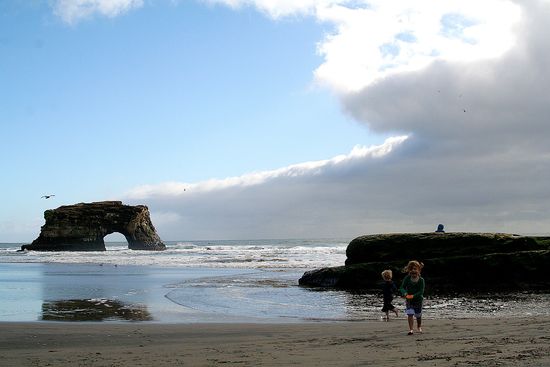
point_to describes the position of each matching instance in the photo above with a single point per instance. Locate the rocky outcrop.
(82, 227)
(420, 246)
(454, 262)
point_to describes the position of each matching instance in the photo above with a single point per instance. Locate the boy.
(388, 289)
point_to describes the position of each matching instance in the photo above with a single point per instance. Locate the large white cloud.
(485, 106)
(391, 37)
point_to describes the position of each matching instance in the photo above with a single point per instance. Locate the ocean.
(210, 281)
(245, 254)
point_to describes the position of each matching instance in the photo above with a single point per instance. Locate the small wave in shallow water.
(276, 294)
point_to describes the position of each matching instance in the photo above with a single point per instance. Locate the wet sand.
(471, 342)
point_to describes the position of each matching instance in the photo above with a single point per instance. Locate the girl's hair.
(387, 274)
(413, 264)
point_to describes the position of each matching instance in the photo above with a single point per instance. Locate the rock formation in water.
(454, 262)
(82, 227)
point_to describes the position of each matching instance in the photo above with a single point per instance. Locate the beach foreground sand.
(474, 342)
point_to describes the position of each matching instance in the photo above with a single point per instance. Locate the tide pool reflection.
(93, 310)
(92, 292)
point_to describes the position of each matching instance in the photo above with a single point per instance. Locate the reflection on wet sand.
(93, 310)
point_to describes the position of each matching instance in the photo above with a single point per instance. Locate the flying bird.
(47, 196)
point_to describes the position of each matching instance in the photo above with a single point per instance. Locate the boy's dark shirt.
(388, 289)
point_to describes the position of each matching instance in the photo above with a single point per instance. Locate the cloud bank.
(294, 200)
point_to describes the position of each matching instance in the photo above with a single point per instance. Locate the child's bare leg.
(419, 324)
(396, 313)
(387, 315)
(410, 319)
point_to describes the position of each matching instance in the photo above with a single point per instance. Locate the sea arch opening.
(115, 239)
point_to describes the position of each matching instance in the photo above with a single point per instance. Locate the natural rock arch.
(82, 227)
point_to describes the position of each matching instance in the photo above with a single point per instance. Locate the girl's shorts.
(413, 309)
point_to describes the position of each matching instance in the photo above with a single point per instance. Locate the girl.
(412, 288)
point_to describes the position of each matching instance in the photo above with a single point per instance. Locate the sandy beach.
(471, 342)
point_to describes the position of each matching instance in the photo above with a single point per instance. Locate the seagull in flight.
(47, 196)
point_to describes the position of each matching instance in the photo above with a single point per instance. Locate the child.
(388, 289)
(412, 289)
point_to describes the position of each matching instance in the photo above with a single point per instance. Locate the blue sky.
(190, 91)
(133, 100)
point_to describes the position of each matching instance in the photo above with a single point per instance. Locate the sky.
(249, 119)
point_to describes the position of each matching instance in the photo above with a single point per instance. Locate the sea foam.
(300, 254)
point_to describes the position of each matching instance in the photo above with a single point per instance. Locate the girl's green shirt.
(416, 289)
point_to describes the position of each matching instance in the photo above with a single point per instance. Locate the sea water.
(209, 281)
(249, 254)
